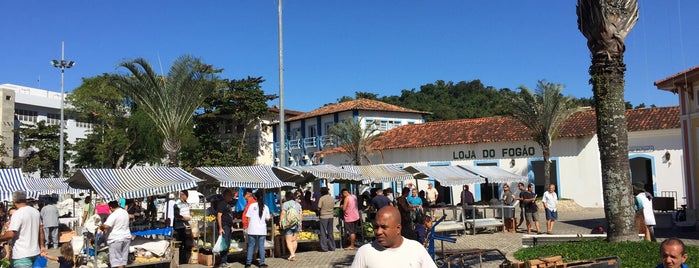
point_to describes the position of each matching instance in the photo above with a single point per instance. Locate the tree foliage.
(225, 127)
(354, 139)
(543, 112)
(122, 135)
(39, 144)
(171, 100)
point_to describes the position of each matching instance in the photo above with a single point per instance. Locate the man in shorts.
(25, 232)
(119, 238)
(531, 209)
(351, 216)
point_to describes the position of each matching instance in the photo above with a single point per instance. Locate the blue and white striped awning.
(494, 174)
(246, 177)
(381, 173)
(12, 180)
(447, 175)
(112, 184)
(309, 173)
(48, 186)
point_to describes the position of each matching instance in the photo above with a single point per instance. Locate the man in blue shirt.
(379, 201)
(672, 254)
(415, 203)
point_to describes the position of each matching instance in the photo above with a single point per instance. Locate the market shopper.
(508, 198)
(291, 233)
(119, 237)
(531, 209)
(257, 215)
(25, 232)
(522, 189)
(88, 209)
(49, 222)
(249, 200)
(224, 220)
(181, 228)
(379, 201)
(467, 199)
(431, 195)
(648, 214)
(102, 209)
(326, 205)
(407, 229)
(390, 249)
(351, 216)
(550, 201)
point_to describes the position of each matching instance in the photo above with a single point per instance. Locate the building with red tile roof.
(654, 146)
(308, 133)
(686, 85)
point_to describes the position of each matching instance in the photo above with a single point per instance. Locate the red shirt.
(250, 201)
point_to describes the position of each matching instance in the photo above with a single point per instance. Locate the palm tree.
(170, 101)
(605, 24)
(543, 113)
(354, 139)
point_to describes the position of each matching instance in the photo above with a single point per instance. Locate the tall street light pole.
(62, 64)
(282, 126)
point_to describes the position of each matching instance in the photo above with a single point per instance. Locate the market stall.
(447, 176)
(112, 184)
(257, 177)
(50, 187)
(11, 179)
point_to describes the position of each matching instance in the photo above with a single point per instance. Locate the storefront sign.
(523, 151)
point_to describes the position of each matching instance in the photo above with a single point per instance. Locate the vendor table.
(484, 221)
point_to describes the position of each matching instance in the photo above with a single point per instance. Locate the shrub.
(632, 254)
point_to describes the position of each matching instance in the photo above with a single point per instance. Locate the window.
(83, 124)
(53, 119)
(312, 131)
(26, 116)
(385, 125)
(371, 124)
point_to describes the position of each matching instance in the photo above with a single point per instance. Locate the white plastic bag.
(220, 245)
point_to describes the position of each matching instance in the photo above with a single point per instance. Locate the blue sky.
(334, 48)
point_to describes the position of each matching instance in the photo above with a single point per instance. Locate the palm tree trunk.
(607, 72)
(547, 166)
(172, 147)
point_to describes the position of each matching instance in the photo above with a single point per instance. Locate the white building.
(655, 153)
(30, 105)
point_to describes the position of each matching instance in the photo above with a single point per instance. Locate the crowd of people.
(401, 224)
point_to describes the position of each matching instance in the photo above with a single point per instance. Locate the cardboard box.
(209, 259)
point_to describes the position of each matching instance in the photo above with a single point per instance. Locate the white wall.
(579, 168)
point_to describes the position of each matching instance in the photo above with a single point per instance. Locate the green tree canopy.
(225, 127)
(122, 135)
(171, 100)
(40, 149)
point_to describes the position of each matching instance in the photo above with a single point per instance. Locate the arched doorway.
(641, 167)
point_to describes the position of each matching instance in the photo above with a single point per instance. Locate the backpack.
(291, 217)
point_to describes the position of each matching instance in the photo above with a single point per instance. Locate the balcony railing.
(309, 142)
(327, 141)
(294, 144)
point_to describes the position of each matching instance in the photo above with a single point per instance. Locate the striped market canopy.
(447, 175)
(381, 173)
(309, 173)
(246, 176)
(12, 180)
(48, 186)
(494, 174)
(112, 184)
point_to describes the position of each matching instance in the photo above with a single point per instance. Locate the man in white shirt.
(550, 201)
(431, 194)
(119, 237)
(25, 230)
(390, 249)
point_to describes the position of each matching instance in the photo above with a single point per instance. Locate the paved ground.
(578, 221)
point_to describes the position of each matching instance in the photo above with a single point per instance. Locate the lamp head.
(70, 64)
(55, 63)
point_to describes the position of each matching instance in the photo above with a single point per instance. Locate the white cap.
(171, 196)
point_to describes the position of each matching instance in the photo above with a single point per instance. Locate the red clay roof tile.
(358, 104)
(500, 129)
